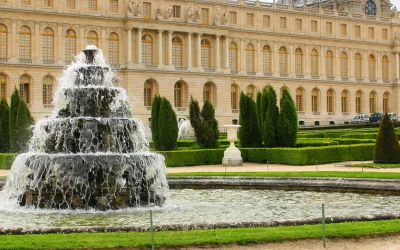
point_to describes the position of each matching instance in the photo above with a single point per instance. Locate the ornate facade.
(337, 58)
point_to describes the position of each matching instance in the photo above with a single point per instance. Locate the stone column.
(322, 64)
(291, 62)
(217, 56)
(199, 50)
(366, 72)
(60, 46)
(36, 48)
(139, 44)
(226, 49)
(352, 65)
(189, 50)
(129, 46)
(13, 42)
(378, 67)
(82, 38)
(275, 59)
(259, 58)
(242, 57)
(170, 47)
(160, 47)
(103, 43)
(307, 66)
(397, 65)
(337, 63)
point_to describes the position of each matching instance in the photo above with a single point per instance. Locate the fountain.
(90, 153)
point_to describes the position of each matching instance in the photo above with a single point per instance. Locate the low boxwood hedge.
(6, 160)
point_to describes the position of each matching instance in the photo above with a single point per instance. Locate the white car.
(393, 117)
(361, 118)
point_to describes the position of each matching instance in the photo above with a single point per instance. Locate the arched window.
(47, 90)
(207, 92)
(385, 68)
(178, 94)
(24, 87)
(298, 62)
(386, 106)
(3, 41)
(299, 100)
(251, 91)
(250, 57)
(329, 64)
(205, 54)
(330, 101)
(147, 49)
(359, 102)
(371, 67)
(358, 66)
(233, 55)
(70, 45)
(148, 93)
(344, 65)
(113, 48)
(315, 100)
(345, 101)
(177, 51)
(234, 96)
(48, 46)
(372, 102)
(283, 60)
(25, 42)
(92, 38)
(266, 59)
(370, 8)
(3, 86)
(314, 63)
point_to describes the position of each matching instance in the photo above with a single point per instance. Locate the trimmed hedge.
(6, 160)
(193, 157)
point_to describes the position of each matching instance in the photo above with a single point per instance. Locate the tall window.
(92, 38)
(385, 68)
(148, 93)
(24, 86)
(329, 64)
(358, 66)
(146, 10)
(26, 2)
(25, 42)
(205, 53)
(371, 32)
(372, 102)
(359, 102)
(371, 67)
(70, 4)
(357, 31)
(178, 94)
(386, 107)
(113, 48)
(370, 8)
(298, 62)
(330, 101)
(114, 6)
(314, 26)
(345, 101)
(207, 92)
(3, 86)
(343, 29)
(250, 19)
(267, 59)
(299, 24)
(232, 17)
(282, 23)
(48, 3)
(3, 41)
(92, 5)
(234, 96)
(177, 51)
(47, 90)
(314, 63)
(266, 21)
(250, 58)
(70, 45)
(176, 11)
(250, 91)
(204, 16)
(299, 100)
(344, 65)
(329, 28)
(147, 49)
(283, 60)
(233, 55)
(315, 100)
(48, 46)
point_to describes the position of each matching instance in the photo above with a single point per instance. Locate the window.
(47, 90)
(26, 2)
(372, 102)
(92, 5)
(114, 6)
(357, 31)
(113, 48)
(343, 29)
(204, 16)
(70, 45)
(3, 41)
(298, 62)
(92, 38)
(250, 19)
(147, 49)
(384, 34)
(330, 101)
(48, 3)
(205, 53)
(283, 60)
(329, 64)
(24, 84)
(344, 99)
(207, 92)
(329, 28)
(344, 65)
(250, 91)
(25, 42)
(358, 66)
(371, 67)
(70, 4)
(176, 11)
(386, 102)
(314, 63)
(178, 94)
(283, 23)
(314, 26)
(233, 55)
(358, 102)
(266, 59)
(299, 100)
(299, 24)
(177, 51)
(148, 93)
(315, 100)
(232, 17)
(385, 68)
(146, 10)
(48, 46)
(371, 32)
(234, 96)
(250, 58)
(370, 8)
(3, 86)
(266, 21)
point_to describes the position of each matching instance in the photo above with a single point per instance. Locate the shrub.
(258, 111)
(287, 122)
(271, 120)
(387, 148)
(249, 133)
(6, 160)
(24, 122)
(193, 157)
(4, 126)
(167, 126)
(155, 109)
(13, 120)
(263, 107)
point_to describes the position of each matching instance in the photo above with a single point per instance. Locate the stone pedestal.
(232, 155)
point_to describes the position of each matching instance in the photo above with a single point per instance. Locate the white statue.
(225, 17)
(217, 16)
(139, 8)
(130, 4)
(159, 12)
(190, 13)
(198, 14)
(169, 12)
(396, 36)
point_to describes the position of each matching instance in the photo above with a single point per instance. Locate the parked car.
(393, 117)
(376, 117)
(361, 118)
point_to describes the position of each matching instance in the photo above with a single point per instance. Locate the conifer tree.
(155, 109)
(13, 120)
(258, 111)
(4, 126)
(167, 126)
(194, 116)
(210, 126)
(24, 122)
(249, 133)
(263, 107)
(387, 149)
(287, 122)
(271, 120)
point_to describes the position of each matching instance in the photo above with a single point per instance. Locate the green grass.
(377, 165)
(380, 175)
(197, 237)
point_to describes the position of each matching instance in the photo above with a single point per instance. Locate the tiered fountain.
(90, 153)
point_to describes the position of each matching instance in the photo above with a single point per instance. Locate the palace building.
(337, 58)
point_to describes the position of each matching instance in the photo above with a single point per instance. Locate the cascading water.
(90, 153)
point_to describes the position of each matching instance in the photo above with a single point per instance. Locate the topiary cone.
(387, 148)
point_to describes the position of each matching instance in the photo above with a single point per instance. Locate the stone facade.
(336, 60)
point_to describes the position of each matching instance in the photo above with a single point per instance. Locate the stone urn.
(232, 155)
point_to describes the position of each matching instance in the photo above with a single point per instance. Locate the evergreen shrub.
(13, 120)
(155, 109)
(249, 133)
(287, 122)
(24, 131)
(6, 160)
(4, 126)
(387, 148)
(167, 126)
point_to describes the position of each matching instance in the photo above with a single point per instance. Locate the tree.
(263, 107)
(271, 120)
(287, 122)
(167, 126)
(194, 116)
(155, 109)
(24, 122)
(249, 133)
(13, 120)
(387, 149)
(4, 126)
(258, 111)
